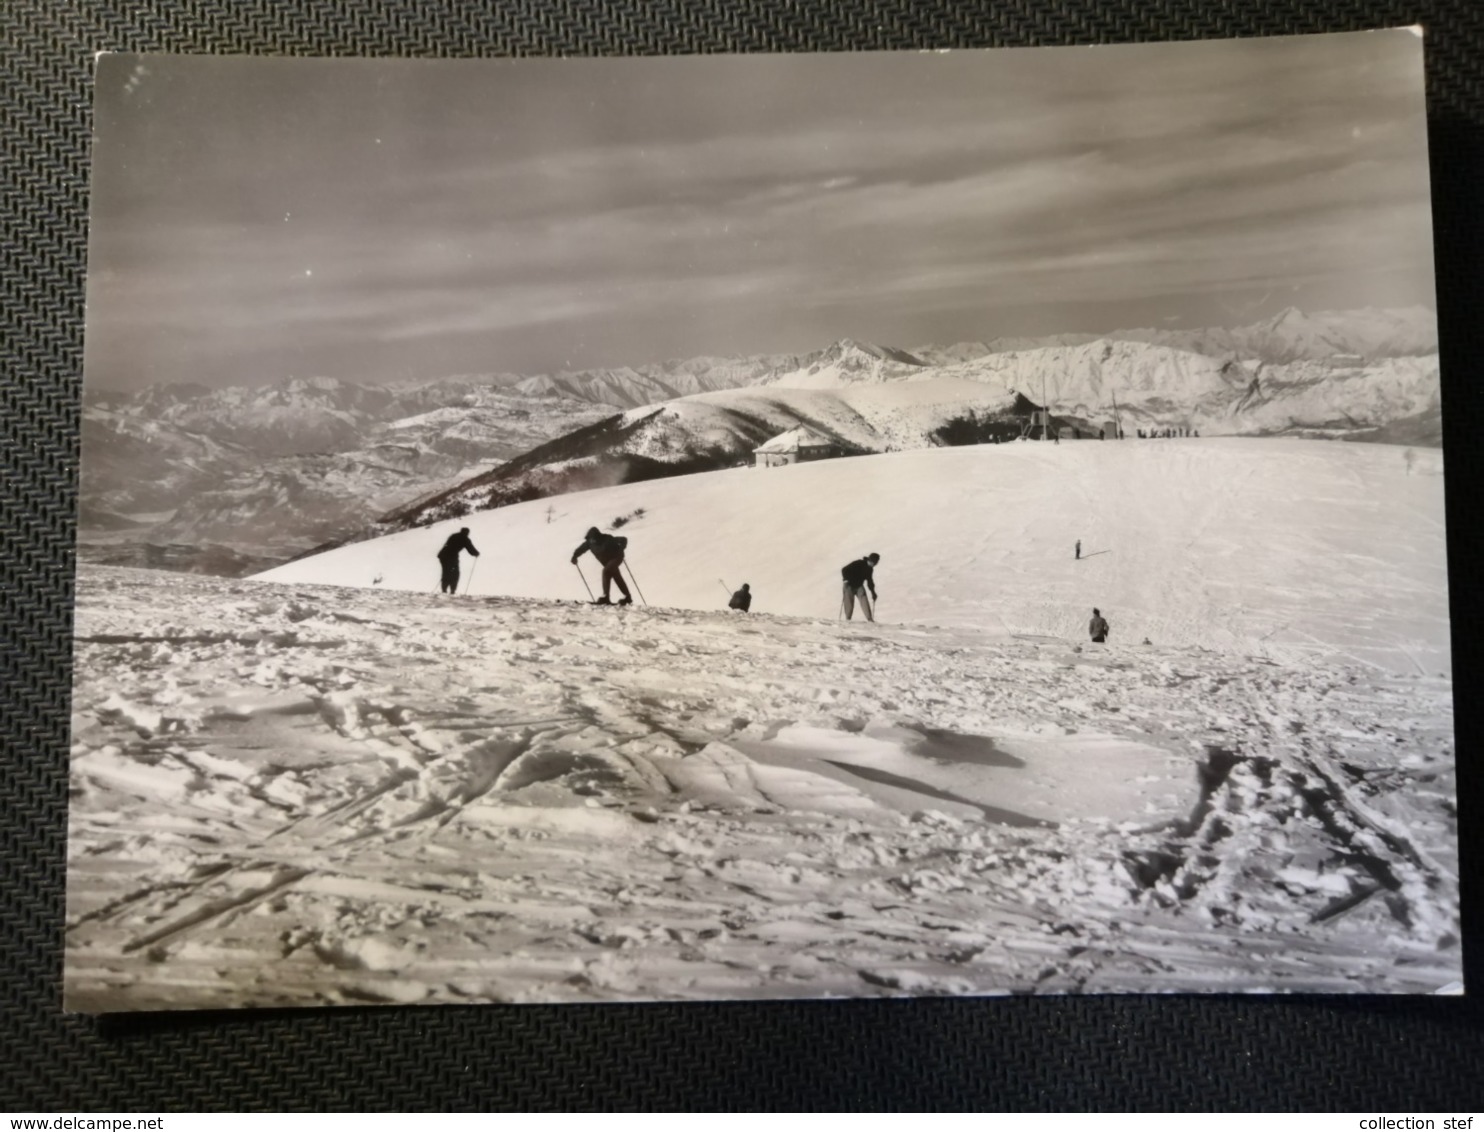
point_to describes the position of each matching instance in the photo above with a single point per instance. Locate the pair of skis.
(594, 601)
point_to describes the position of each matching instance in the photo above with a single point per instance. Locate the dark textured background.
(1365, 1054)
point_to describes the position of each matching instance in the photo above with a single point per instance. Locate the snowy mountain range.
(1289, 336)
(865, 398)
(232, 480)
(275, 469)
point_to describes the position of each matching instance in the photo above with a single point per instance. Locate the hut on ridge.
(796, 446)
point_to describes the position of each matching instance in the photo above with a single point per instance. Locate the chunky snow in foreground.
(299, 794)
(309, 795)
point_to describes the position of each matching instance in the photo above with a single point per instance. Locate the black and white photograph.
(762, 526)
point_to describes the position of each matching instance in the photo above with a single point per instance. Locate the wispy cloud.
(637, 208)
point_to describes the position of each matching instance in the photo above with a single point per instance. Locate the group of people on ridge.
(858, 578)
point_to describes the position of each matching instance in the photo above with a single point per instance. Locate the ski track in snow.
(305, 795)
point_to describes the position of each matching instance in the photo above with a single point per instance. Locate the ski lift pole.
(468, 589)
(583, 576)
(635, 580)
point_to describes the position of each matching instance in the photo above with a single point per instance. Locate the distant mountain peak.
(847, 347)
(856, 350)
(1287, 316)
(315, 384)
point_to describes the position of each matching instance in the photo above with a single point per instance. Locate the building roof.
(794, 440)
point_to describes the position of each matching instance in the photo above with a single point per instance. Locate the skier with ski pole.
(742, 599)
(583, 576)
(608, 550)
(448, 558)
(635, 580)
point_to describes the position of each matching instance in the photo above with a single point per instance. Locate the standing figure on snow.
(858, 577)
(742, 599)
(608, 550)
(1098, 627)
(448, 558)
(1077, 553)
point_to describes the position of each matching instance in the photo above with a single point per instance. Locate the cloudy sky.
(255, 219)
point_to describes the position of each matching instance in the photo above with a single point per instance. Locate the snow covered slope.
(1285, 548)
(296, 795)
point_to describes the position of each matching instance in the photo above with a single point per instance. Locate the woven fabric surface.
(1162, 1053)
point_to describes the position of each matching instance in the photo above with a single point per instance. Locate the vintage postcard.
(762, 526)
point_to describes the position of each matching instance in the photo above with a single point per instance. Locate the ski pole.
(470, 587)
(635, 580)
(583, 576)
(725, 586)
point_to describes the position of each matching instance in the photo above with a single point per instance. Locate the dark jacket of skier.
(608, 550)
(859, 576)
(1097, 628)
(742, 599)
(449, 558)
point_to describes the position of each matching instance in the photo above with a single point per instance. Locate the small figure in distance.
(1078, 553)
(857, 577)
(742, 599)
(608, 550)
(1098, 627)
(448, 558)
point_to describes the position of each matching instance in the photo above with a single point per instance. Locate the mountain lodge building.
(1038, 427)
(796, 446)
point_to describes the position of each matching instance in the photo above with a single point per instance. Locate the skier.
(1098, 627)
(742, 599)
(448, 557)
(607, 549)
(1078, 553)
(858, 577)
